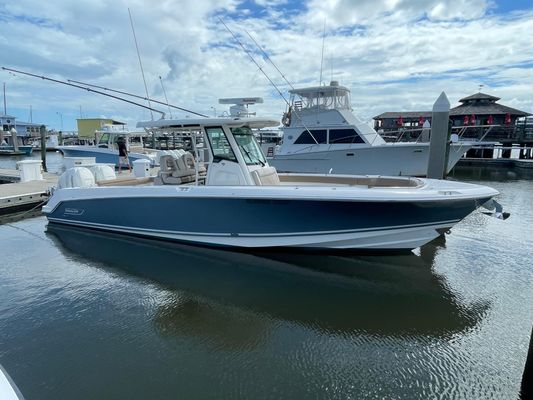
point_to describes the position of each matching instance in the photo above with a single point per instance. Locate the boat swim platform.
(16, 196)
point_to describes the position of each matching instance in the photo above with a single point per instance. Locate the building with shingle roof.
(479, 109)
(481, 104)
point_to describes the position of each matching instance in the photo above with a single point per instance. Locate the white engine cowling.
(76, 177)
(103, 172)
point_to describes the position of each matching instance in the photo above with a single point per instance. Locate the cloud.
(393, 54)
(340, 13)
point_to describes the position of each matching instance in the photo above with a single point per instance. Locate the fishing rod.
(270, 80)
(138, 97)
(269, 59)
(84, 88)
(140, 62)
(166, 98)
(253, 59)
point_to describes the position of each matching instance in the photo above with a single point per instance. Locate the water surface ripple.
(86, 315)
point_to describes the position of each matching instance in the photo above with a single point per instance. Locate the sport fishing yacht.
(237, 199)
(322, 135)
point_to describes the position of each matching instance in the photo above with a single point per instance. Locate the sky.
(394, 55)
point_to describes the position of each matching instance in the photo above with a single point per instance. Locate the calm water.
(54, 161)
(95, 316)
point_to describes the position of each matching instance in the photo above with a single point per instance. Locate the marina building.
(478, 116)
(26, 131)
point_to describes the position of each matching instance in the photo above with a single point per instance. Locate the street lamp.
(214, 111)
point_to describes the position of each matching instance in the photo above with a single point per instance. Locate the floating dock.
(496, 162)
(19, 196)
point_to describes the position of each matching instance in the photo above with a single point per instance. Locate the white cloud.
(340, 13)
(394, 54)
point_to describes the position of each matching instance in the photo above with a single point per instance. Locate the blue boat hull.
(27, 150)
(245, 222)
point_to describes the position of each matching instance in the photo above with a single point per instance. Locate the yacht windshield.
(104, 139)
(248, 146)
(324, 100)
(220, 145)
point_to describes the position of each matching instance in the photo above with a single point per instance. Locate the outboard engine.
(102, 172)
(76, 177)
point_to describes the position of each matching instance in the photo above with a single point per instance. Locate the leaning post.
(439, 140)
(42, 130)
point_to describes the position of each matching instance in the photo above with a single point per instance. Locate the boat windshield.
(104, 139)
(324, 100)
(248, 146)
(220, 145)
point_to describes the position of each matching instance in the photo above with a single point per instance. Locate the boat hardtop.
(192, 123)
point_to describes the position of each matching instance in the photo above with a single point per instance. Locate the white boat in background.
(106, 150)
(236, 199)
(51, 143)
(322, 135)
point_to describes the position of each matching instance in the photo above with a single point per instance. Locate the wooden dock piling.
(42, 130)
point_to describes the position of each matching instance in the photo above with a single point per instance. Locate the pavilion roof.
(479, 96)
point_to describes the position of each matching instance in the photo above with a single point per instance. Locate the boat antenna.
(266, 76)
(84, 88)
(269, 59)
(138, 97)
(322, 58)
(140, 62)
(165, 93)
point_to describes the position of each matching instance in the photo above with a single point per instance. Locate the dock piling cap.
(442, 104)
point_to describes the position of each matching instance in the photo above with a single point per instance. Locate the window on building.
(344, 136)
(305, 138)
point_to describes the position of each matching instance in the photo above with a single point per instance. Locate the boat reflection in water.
(236, 299)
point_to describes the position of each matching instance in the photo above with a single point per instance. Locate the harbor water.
(87, 315)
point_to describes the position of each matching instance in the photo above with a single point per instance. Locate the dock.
(19, 196)
(497, 162)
